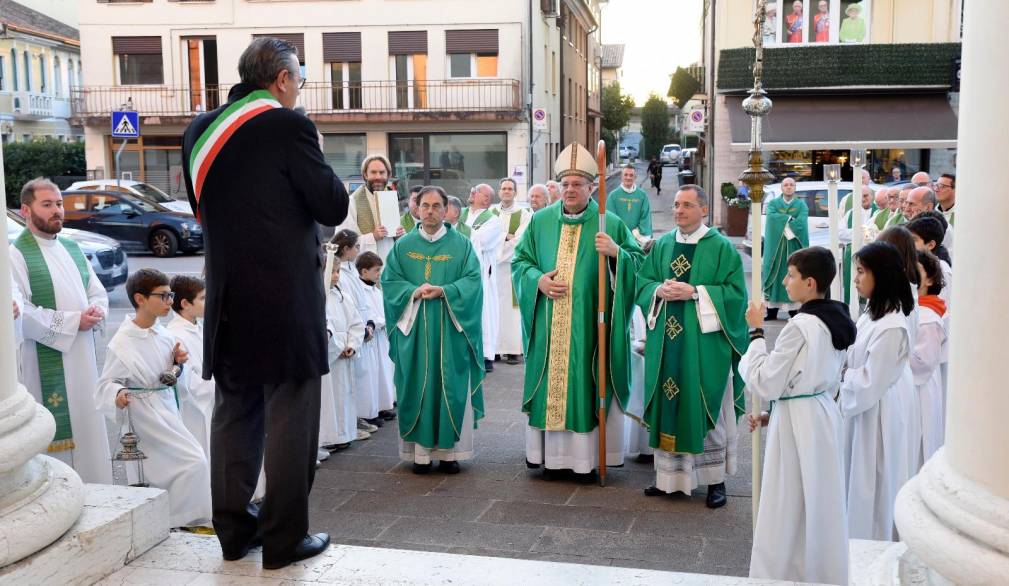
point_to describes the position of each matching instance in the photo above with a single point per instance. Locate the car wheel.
(164, 243)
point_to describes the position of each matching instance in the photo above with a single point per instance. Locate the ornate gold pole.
(757, 105)
(603, 337)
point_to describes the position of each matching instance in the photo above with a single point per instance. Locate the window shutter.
(136, 45)
(407, 42)
(341, 47)
(481, 41)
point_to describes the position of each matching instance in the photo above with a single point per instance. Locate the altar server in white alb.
(187, 327)
(513, 221)
(487, 235)
(135, 388)
(64, 306)
(875, 419)
(369, 267)
(338, 423)
(926, 356)
(802, 532)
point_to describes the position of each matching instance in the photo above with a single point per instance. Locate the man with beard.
(64, 303)
(362, 214)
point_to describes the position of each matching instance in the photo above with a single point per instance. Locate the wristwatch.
(694, 295)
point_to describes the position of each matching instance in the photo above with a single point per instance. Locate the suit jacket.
(264, 193)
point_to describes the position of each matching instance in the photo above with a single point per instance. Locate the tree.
(654, 125)
(616, 108)
(24, 161)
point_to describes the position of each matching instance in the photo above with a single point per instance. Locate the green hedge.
(813, 66)
(24, 161)
(683, 86)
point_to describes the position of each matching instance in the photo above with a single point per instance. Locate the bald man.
(539, 197)
(920, 199)
(882, 207)
(555, 190)
(921, 179)
(845, 205)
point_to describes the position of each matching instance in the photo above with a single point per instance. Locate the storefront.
(455, 162)
(154, 159)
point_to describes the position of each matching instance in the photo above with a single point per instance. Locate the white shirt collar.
(631, 190)
(692, 238)
(501, 207)
(436, 236)
(45, 240)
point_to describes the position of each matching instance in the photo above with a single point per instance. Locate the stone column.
(40, 498)
(954, 516)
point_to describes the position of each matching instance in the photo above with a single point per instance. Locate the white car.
(136, 188)
(670, 154)
(814, 193)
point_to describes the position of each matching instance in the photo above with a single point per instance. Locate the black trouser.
(288, 414)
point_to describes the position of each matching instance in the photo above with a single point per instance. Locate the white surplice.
(368, 243)
(909, 399)
(198, 408)
(930, 345)
(338, 420)
(486, 242)
(136, 357)
(801, 532)
(509, 340)
(59, 330)
(365, 362)
(875, 458)
(636, 433)
(383, 370)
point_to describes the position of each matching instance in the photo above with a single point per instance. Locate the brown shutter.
(136, 45)
(296, 39)
(341, 47)
(407, 42)
(482, 41)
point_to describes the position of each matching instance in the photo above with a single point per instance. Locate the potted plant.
(737, 208)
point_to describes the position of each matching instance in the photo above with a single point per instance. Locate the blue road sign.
(125, 125)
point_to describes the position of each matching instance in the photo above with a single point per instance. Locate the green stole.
(464, 230)
(362, 205)
(881, 218)
(407, 222)
(514, 221)
(53, 381)
(480, 220)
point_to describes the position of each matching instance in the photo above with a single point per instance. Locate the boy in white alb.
(369, 266)
(338, 423)
(135, 387)
(188, 305)
(802, 531)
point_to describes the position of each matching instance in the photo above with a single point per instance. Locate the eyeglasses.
(939, 186)
(167, 297)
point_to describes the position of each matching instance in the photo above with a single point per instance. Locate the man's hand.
(753, 422)
(89, 319)
(347, 353)
(420, 291)
(433, 292)
(179, 354)
(380, 233)
(400, 231)
(17, 310)
(605, 245)
(122, 399)
(673, 290)
(551, 288)
(755, 314)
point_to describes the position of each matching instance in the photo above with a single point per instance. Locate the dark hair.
(344, 239)
(939, 249)
(901, 238)
(892, 291)
(952, 179)
(144, 281)
(416, 189)
(515, 185)
(927, 228)
(263, 59)
(368, 260)
(702, 196)
(37, 184)
(817, 263)
(933, 270)
(433, 189)
(186, 288)
(631, 167)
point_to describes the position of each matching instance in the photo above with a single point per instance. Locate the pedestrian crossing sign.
(125, 124)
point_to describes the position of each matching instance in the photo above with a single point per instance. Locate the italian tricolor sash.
(221, 129)
(53, 381)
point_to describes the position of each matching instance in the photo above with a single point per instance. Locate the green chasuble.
(880, 218)
(560, 390)
(896, 218)
(780, 213)
(846, 257)
(633, 208)
(407, 221)
(438, 365)
(685, 370)
(464, 230)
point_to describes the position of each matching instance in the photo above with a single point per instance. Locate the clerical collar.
(506, 209)
(47, 240)
(574, 216)
(788, 199)
(433, 237)
(630, 189)
(942, 209)
(692, 238)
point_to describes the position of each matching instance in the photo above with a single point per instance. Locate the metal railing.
(370, 97)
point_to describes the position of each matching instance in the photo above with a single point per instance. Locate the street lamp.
(832, 174)
(857, 225)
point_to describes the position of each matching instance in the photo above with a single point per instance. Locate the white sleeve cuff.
(405, 323)
(707, 315)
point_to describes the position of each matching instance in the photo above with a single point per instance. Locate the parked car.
(814, 193)
(137, 223)
(687, 159)
(628, 151)
(136, 188)
(670, 154)
(105, 254)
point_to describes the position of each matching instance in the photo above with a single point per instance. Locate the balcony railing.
(35, 105)
(436, 98)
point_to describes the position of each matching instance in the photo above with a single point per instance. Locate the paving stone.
(454, 534)
(627, 546)
(686, 518)
(436, 507)
(325, 499)
(393, 545)
(356, 462)
(507, 490)
(522, 513)
(370, 481)
(343, 525)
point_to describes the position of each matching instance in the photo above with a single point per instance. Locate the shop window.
(344, 153)
(455, 162)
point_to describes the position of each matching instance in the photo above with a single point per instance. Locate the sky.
(660, 35)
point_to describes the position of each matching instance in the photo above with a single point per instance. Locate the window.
(344, 153)
(802, 22)
(3, 82)
(75, 202)
(105, 204)
(342, 51)
(139, 60)
(57, 78)
(472, 53)
(408, 64)
(42, 74)
(453, 161)
(466, 64)
(28, 71)
(14, 69)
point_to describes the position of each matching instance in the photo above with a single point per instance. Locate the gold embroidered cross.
(428, 260)
(673, 327)
(680, 266)
(670, 389)
(54, 400)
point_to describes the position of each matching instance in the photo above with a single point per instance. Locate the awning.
(808, 122)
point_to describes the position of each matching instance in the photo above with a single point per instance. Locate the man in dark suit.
(259, 183)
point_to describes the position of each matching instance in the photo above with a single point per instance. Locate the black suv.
(138, 223)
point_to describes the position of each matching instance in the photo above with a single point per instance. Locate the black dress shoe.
(311, 545)
(586, 478)
(488, 365)
(645, 458)
(531, 466)
(376, 421)
(511, 359)
(257, 541)
(551, 474)
(387, 414)
(772, 314)
(448, 467)
(421, 468)
(716, 496)
(654, 491)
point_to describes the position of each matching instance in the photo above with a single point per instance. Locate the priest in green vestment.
(409, 220)
(692, 290)
(846, 234)
(786, 230)
(433, 295)
(555, 273)
(630, 203)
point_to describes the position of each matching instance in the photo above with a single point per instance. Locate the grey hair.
(553, 183)
(702, 197)
(928, 197)
(486, 187)
(263, 59)
(541, 187)
(37, 184)
(455, 202)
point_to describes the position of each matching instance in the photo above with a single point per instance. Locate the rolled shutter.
(407, 42)
(341, 47)
(480, 41)
(136, 45)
